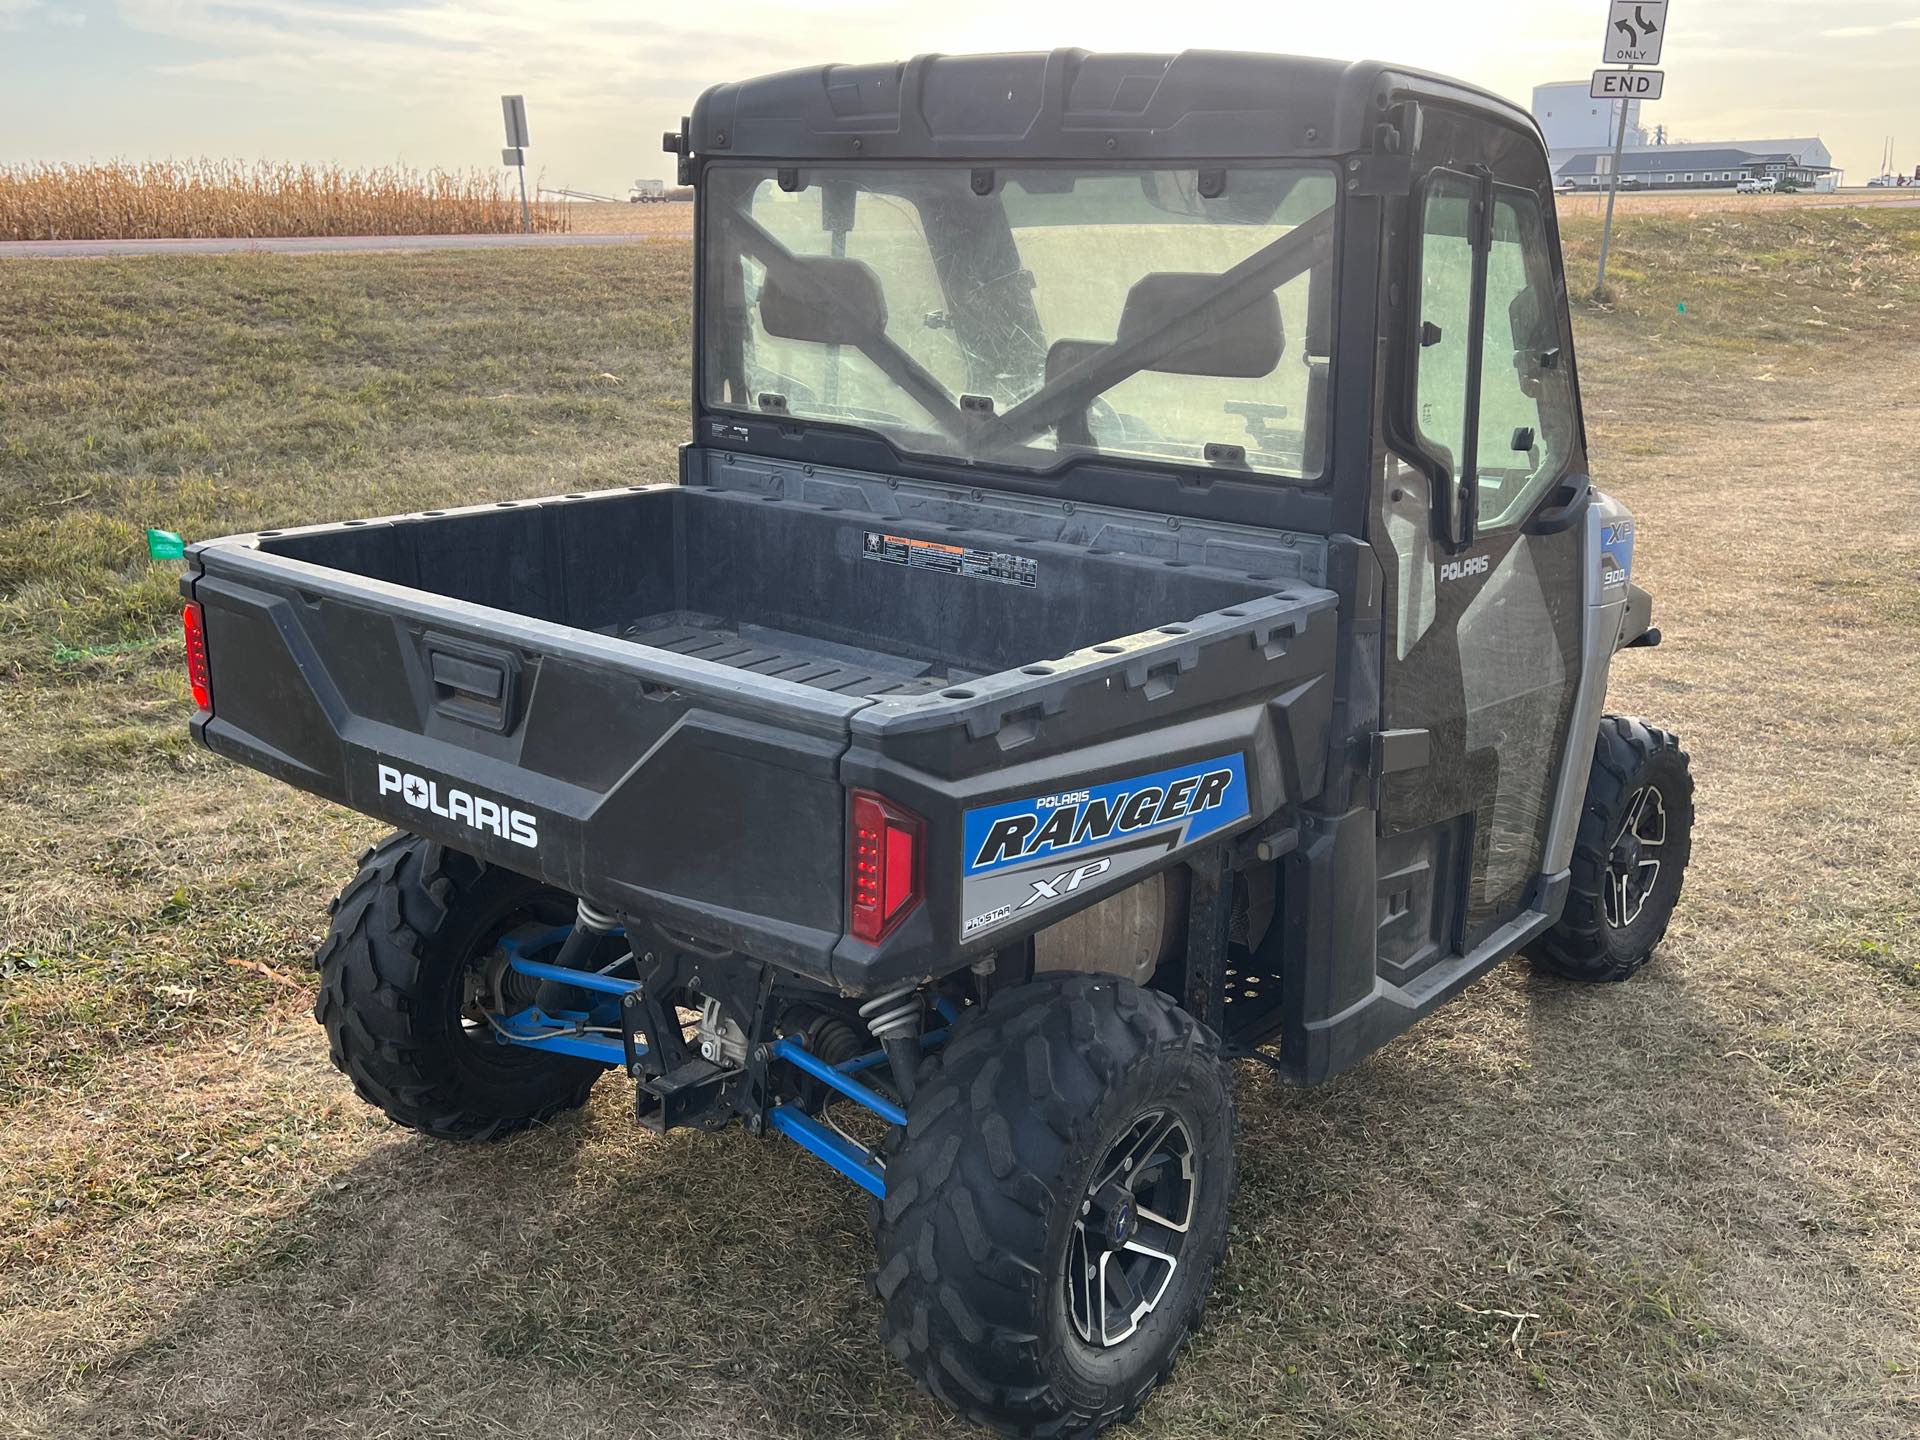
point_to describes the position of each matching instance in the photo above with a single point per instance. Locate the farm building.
(1712, 165)
(1580, 131)
(1571, 119)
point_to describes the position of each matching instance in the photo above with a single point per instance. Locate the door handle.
(1561, 506)
(475, 684)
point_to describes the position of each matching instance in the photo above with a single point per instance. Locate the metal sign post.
(1613, 189)
(1636, 29)
(514, 108)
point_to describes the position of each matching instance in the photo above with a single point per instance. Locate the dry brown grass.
(1700, 202)
(1683, 1207)
(199, 199)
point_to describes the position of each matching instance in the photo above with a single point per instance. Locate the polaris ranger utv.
(1133, 601)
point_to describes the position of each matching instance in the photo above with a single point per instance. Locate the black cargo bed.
(784, 655)
(823, 595)
(659, 698)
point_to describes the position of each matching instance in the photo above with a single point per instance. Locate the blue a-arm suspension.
(595, 1035)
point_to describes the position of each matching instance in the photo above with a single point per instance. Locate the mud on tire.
(393, 983)
(1011, 1123)
(1603, 935)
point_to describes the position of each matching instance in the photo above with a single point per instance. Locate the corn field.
(201, 199)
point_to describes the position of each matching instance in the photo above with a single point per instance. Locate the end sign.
(1627, 84)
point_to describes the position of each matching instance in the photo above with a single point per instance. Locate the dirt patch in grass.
(1682, 1207)
(673, 219)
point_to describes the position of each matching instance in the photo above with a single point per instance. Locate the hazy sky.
(418, 81)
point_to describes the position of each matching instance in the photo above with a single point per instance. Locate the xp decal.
(453, 804)
(1041, 851)
(1616, 554)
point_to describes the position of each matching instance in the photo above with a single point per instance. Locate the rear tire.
(1629, 856)
(996, 1204)
(394, 991)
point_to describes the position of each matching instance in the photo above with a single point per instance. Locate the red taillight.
(195, 625)
(883, 864)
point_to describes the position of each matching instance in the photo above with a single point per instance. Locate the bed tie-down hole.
(1018, 727)
(1272, 641)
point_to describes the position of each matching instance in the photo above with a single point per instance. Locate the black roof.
(1661, 161)
(1070, 104)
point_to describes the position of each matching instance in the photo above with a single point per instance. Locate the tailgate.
(707, 796)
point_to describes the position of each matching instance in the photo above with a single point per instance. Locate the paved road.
(299, 245)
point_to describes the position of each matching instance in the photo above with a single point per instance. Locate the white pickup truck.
(1757, 185)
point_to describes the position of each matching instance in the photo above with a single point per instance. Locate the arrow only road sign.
(514, 108)
(1627, 84)
(1635, 30)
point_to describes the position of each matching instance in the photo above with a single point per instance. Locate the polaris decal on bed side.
(452, 803)
(1040, 851)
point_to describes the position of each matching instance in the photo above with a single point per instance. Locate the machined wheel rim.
(1632, 866)
(1131, 1229)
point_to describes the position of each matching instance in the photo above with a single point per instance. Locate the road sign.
(514, 107)
(1627, 84)
(1635, 30)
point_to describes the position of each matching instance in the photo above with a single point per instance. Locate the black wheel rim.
(1131, 1230)
(1634, 860)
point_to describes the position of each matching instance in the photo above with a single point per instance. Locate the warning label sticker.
(953, 559)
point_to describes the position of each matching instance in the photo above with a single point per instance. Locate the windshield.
(1021, 316)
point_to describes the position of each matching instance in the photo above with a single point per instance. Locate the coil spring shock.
(588, 917)
(895, 1014)
(590, 924)
(895, 1019)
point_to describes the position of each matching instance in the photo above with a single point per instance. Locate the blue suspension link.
(573, 1032)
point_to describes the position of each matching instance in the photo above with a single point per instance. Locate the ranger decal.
(1040, 851)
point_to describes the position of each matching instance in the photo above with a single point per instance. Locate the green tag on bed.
(165, 545)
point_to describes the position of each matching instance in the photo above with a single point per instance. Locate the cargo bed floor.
(844, 669)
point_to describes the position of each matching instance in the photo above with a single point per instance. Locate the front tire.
(1629, 856)
(1073, 1130)
(397, 991)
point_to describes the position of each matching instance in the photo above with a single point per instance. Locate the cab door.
(1480, 483)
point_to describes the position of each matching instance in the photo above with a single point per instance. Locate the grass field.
(1683, 1207)
(1701, 202)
